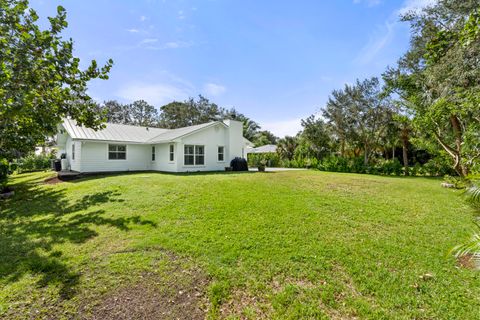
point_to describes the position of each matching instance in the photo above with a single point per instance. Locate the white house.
(205, 147)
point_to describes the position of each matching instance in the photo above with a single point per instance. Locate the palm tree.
(286, 147)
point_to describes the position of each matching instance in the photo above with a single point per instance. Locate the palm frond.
(471, 247)
(473, 193)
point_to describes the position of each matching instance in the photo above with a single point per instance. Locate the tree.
(116, 112)
(359, 115)
(440, 78)
(40, 79)
(143, 114)
(317, 135)
(264, 137)
(177, 115)
(190, 112)
(286, 147)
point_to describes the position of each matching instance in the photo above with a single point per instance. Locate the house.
(204, 147)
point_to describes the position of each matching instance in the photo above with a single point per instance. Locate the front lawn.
(300, 244)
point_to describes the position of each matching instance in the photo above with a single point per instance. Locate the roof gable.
(182, 132)
(132, 134)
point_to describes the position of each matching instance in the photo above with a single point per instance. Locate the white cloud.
(181, 15)
(177, 44)
(370, 3)
(143, 18)
(213, 89)
(379, 40)
(157, 94)
(282, 128)
(133, 30)
(385, 34)
(149, 40)
(415, 5)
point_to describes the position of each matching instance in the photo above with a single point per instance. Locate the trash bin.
(57, 165)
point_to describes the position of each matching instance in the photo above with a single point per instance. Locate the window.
(117, 152)
(221, 153)
(172, 153)
(194, 155)
(73, 151)
(153, 153)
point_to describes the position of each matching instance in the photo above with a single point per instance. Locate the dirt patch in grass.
(149, 301)
(152, 299)
(52, 180)
(175, 290)
(469, 261)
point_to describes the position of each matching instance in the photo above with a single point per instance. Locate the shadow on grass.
(100, 175)
(37, 219)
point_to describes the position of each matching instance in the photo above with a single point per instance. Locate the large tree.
(439, 77)
(190, 112)
(116, 112)
(359, 116)
(40, 79)
(316, 136)
(264, 137)
(143, 114)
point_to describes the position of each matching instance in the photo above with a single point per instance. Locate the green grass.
(301, 244)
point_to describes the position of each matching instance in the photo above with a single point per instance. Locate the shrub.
(273, 159)
(335, 164)
(389, 167)
(4, 170)
(34, 163)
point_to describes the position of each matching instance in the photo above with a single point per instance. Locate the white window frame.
(194, 154)
(220, 153)
(171, 153)
(73, 151)
(154, 154)
(116, 151)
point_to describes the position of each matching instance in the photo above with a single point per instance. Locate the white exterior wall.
(210, 138)
(162, 158)
(235, 139)
(74, 165)
(94, 158)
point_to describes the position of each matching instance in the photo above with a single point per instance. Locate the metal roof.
(173, 134)
(128, 133)
(268, 148)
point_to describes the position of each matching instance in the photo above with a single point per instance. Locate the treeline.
(424, 112)
(178, 114)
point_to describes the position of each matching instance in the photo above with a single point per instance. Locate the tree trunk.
(405, 150)
(365, 158)
(457, 131)
(393, 153)
(455, 153)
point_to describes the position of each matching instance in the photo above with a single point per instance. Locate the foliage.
(359, 115)
(34, 162)
(457, 182)
(40, 79)
(315, 139)
(286, 147)
(272, 159)
(4, 171)
(439, 78)
(471, 247)
(264, 137)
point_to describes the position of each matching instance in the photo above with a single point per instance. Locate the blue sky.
(275, 61)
